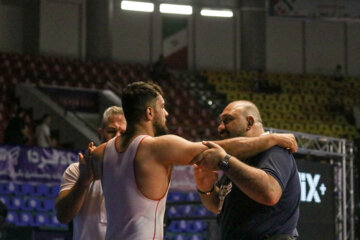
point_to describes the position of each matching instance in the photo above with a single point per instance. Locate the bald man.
(258, 197)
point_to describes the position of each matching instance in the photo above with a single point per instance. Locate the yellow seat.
(284, 97)
(286, 126)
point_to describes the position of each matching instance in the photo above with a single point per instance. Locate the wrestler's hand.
(286, 140)
(85, 168)
(211, 157)
(204, 178)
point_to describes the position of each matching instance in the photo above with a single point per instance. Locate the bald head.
(240, 118)
(247, 108)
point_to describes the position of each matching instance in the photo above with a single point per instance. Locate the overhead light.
(137, 6)
(216, 13)
(176, 9)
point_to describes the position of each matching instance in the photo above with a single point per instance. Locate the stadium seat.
(54, 222)
(46, 205)
(197, 226)
(175, 196)
(179, 237)
(202, 211)
(41, 219)
(192, 196)
(12, 218)
(16, 203)
(41, 190)
(173, 211)
(26, 219)
(54, 191)
(196, 237)
(177, 226)
(7, 188)
(186, 210)
(31, 204)
(26, 189)
(4, 200)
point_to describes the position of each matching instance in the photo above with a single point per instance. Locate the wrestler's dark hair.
(136, 97)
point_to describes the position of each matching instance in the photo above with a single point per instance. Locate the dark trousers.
(280, 237)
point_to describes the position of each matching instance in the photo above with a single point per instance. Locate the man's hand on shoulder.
(286, 140)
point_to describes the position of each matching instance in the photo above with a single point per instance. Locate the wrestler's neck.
(143, 128)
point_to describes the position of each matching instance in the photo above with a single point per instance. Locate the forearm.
(69, 203)
(245, 147)
(254, 182)
(211, 202)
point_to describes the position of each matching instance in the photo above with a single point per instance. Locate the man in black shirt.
(257, 198)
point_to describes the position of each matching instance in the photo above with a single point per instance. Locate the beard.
(160, 129)
(225, 134)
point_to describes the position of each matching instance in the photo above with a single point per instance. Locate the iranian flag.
(175, 41)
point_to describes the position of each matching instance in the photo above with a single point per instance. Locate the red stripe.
(142, 139)
(155, 220)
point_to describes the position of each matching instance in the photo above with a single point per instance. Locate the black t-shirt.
(241, 218)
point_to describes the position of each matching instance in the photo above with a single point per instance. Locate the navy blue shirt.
(242, 218)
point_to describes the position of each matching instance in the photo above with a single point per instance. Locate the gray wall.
(284, 53)
(11, 28)
(312, 46)
(292, 45)
(62, 28)
(324, 46)
(132, 36)
(216, 43)
(353, 48)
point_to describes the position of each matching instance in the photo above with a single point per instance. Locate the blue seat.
(26, 219)
(54, 222)
(195, 237)
(16, 203)
(5, 200)
(14, 188)
(179, 237)
(177, 226)
(46, 205)
(175, 196)
(192, 197)
(187, 210)
(202, 211)
(12, 218)
(31, 204)
(173, 211)
(3, 188)
(26, 189)
(54, 191)
(9, 188)
(42, 190)
(42, 219)
(197, 226)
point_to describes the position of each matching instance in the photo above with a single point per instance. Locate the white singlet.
(130, 214)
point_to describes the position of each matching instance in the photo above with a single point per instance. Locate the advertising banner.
(33, 164)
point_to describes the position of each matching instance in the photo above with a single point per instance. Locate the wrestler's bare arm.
(245, 147)
(172, 149)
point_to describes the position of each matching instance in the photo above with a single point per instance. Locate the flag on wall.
(175, 41)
